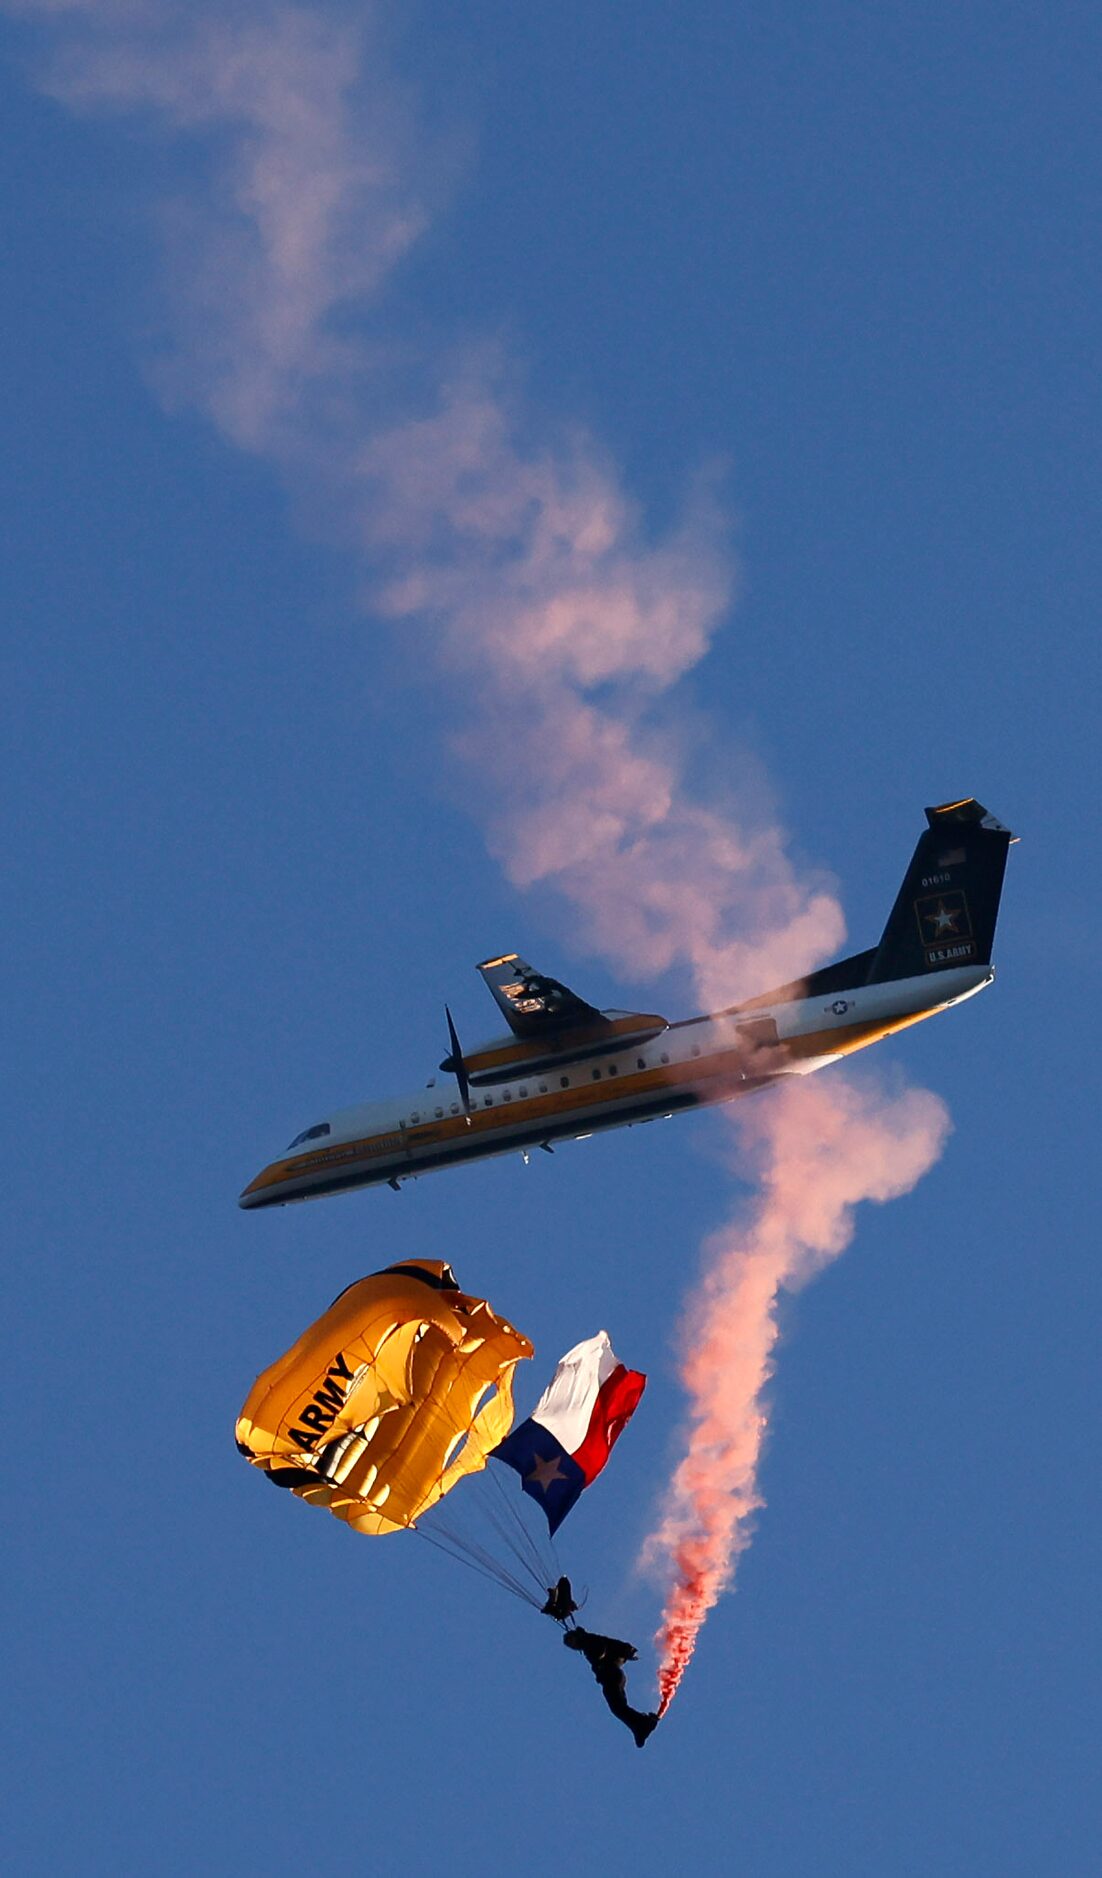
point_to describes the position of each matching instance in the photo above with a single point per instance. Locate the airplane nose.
(258, 1192)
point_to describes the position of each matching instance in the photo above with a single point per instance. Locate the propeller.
(456, 1066)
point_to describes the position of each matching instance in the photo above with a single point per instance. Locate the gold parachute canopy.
(389, 1400)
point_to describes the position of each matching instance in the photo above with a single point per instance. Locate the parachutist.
(606, 1657)
(560, 1601)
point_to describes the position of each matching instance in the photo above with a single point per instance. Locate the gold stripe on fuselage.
(713, 1078)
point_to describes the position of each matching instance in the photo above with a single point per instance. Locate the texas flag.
(568, 1437)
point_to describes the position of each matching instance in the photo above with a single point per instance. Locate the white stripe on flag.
(566, 1405)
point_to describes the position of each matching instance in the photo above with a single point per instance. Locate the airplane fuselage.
(517, 1104)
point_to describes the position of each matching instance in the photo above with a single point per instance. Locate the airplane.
(567, 1070)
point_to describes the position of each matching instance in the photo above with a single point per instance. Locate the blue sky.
(846, 255)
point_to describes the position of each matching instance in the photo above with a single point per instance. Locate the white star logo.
(545, 1473)
(943, 920)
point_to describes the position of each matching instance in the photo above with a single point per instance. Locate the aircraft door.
(758, 1034)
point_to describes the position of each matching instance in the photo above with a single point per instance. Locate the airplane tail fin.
(945, 912)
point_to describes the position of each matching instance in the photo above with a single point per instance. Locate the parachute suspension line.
(489, 1562)
(489, 1502)
(502, 1515)
(538, 1561)
(476, 1559)
(505, 1531)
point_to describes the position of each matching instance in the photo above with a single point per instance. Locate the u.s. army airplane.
(567, 1069)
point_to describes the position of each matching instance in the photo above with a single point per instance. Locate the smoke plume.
(817, 1147)
(506, 551)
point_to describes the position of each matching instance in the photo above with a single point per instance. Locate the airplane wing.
(532, 1005)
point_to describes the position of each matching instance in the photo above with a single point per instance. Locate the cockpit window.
(310, 1134)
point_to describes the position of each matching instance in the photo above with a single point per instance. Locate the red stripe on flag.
(617, 1399)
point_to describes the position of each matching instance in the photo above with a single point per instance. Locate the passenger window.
(612, 1070)
(455, 1108)
(506, 1095)
(543, 1088)
(696, 1049)
(640, 1062)
(488, 1101)
(596, 1075)
(664, 1058)
(564, 1082)
(414, 1117)
(438, 1113)
(522, 1092)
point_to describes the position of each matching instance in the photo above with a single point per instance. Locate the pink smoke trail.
(507, 550)
(818, 1148)
(514, 556)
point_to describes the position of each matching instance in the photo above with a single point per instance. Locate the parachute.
(389, 1400)
(404, 1389)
